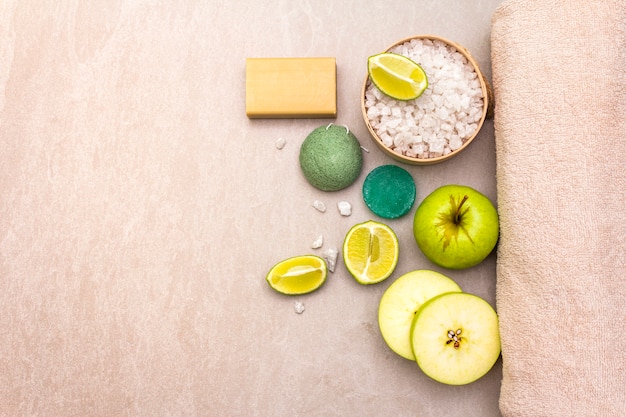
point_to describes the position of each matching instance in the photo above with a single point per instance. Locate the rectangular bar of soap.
(291, 87)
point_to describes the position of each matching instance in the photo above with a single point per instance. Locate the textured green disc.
(389, 191)
(331, 158)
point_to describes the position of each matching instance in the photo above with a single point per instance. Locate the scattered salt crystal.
(298, 307)
(345, 208)
(280, 143)
(330, 256)
(318, 242)
(319, 206)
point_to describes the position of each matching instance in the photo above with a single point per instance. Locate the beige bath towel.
(559, 75)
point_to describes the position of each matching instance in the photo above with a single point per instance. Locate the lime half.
(397, 76)
(298, 275)
(370, 252)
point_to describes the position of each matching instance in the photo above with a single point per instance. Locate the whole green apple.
(456, 226)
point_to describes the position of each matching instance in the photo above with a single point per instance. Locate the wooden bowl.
(487, 111)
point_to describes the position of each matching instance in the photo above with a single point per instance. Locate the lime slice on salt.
(397, 76)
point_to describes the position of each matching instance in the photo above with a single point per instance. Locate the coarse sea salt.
(331, 255)
(319, 206)
(443, 118)
(298, 307)
(280, 143)
(318, 242)
(345, 208)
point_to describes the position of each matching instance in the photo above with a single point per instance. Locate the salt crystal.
(460, 128)
(387, 140)
(455, 142)
(411, 152)
(419, 149)
(464, 101)
(402, 139)
(319, 206)
(318, 242)
(436, 146)
(373, 112)
(392, 123)
(472, 128)
(345, 208)
(298, 307)
(330, 256)
(280, 143)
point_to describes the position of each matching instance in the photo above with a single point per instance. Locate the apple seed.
(455, 338)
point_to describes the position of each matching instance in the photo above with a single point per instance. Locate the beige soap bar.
(291, 87)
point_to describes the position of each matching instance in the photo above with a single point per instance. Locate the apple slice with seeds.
(400, 303)
(455, 338)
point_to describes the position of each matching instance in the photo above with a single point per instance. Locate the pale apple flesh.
(456, 227)
(401, 301)
(455, 338)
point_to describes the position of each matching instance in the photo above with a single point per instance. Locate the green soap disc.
(389, 191)
(331, 158)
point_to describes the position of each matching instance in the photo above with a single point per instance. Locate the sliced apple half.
(455, 338)
(401, 301)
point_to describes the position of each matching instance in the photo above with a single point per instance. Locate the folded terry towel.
(559, 77)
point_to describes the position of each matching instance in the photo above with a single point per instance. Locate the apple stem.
(457, 216)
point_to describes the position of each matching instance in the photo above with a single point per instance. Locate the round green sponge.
(389, 191)
(331, 158)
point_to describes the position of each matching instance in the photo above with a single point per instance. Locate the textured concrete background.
(140, 211)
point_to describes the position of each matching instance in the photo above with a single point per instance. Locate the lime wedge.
(370, 252)
(298, 275)
(397, 76)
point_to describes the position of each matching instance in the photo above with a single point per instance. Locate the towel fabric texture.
(559, 76)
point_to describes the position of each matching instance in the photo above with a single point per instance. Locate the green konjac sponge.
(331, 158)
